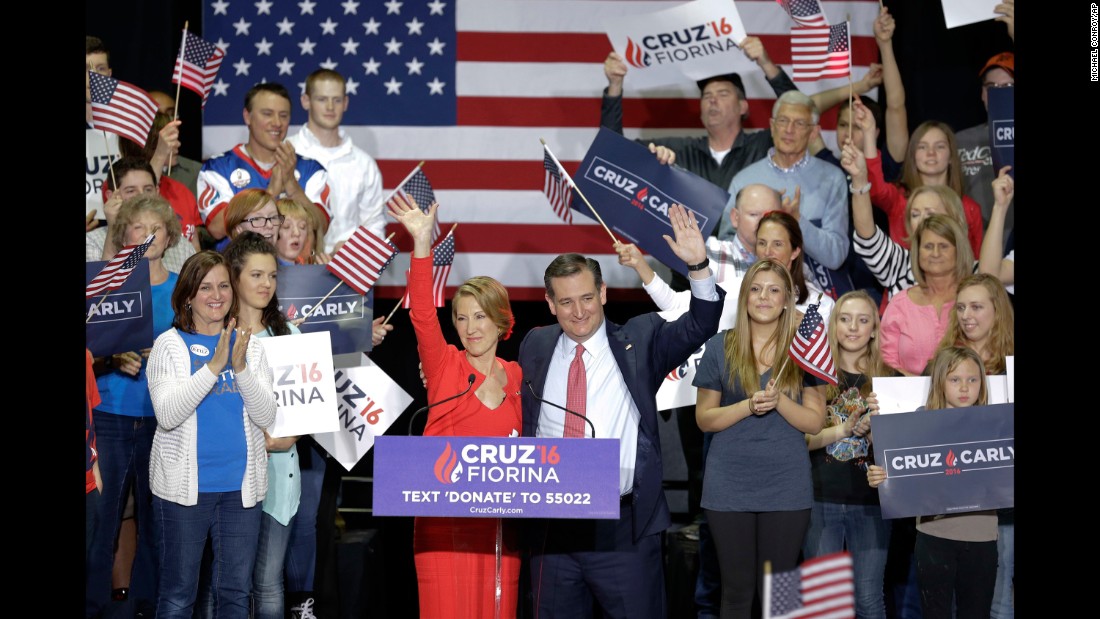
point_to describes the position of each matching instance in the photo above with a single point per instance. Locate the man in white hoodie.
(353, 176)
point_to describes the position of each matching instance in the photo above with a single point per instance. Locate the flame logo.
(643, 193)
(635, 57)
(292, 311)
(951, 460)
(678, 373)
(445, 470)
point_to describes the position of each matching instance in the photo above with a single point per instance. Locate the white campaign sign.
(304, 383)
(369, 403)
(905, 394)
(962, 12)
(696, 39)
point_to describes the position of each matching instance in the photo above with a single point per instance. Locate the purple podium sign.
(493, 477)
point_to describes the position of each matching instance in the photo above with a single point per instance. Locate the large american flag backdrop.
(470, 86)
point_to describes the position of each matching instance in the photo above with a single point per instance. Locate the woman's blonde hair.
(943, 363)
(739, 353)
(951, 203)
(314, 242)
(946, 227)
(1002, 339)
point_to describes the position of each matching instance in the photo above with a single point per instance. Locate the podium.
(496, 477)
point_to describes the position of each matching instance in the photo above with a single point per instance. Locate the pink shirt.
(910, 333)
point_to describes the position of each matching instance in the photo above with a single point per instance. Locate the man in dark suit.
(618, 562)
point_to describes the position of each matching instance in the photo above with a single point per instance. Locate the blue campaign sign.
(345, 315)
(946, 461)
(632, 193)
(493, 477)
(1002, 128)
(121, 321)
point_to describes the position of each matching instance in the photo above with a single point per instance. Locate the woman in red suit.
(465, 567)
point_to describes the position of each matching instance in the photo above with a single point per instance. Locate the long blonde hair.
(739, 353)
(946, 360)
(1002, 339)
(870, 362)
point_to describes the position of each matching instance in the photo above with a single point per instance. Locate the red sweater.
(448, 371)
(892, 200)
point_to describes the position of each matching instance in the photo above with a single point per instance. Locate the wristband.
(699, 267)
(859, 192)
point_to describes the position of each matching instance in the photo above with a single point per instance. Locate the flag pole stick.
(394, 310)
(97, 304)
(110, 168)
(325, 298)
(401, 300)
(402, 183)
(787, 357)
(179, 81)
(578, 190)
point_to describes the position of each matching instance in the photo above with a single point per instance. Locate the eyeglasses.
(260, 222)
(996, 85)
(800, 125)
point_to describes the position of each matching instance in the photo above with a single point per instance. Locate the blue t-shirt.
(759, 464)
(127, 395)
(222, 450)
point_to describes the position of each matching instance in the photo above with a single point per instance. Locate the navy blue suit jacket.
(646, 349)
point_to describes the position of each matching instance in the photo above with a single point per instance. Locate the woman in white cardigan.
(211, 391)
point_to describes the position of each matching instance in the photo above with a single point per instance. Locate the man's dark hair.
(271, 87)
(121, 167)
(95, 45)
(571, 264)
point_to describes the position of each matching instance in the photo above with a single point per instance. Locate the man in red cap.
(974, 150)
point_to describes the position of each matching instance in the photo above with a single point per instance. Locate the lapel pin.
(629, 346)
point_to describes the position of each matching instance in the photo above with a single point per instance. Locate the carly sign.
(946, 461)
(491, 477)
(123, 319)
(633, 194)
(345, 315)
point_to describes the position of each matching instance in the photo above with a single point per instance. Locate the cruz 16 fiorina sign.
(493, 477)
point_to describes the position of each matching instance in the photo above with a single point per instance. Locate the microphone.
(586, 419)
(471, 378)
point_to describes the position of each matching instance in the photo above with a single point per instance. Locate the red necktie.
(575, 396)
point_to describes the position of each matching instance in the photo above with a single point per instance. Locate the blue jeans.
(234, 532)
(1006, 561)
(124, 444)
(861, 530)
(267, 577)
(301, 558)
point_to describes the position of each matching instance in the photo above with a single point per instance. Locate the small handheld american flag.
(118, 269)
(121, 108)
(810, 346)
(361, 260)
(443, 254)
(821, 588)
(821, 52)
(417, 186)
(805, 13)
(197, 65)
(556, 187)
